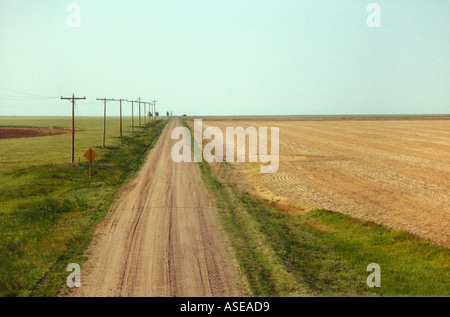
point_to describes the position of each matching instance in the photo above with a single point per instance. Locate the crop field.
(393, 172)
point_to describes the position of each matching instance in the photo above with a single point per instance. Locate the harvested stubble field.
(393, 172)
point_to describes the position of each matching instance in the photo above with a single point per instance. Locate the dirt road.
(161, 237)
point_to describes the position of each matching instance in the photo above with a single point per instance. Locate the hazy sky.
(226, 57)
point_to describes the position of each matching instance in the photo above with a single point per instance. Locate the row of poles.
(152, 104)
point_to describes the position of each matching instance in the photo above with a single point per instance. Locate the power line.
(25, 93)
(13, 98)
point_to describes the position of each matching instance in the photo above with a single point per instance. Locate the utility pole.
(139, 101)
(154, 108)
(104, 118)
(145, 113)
(153, 112)
(150, 111)
(132, 114)
(120, 100)
(73, 98)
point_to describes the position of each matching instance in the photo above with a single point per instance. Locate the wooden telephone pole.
(154, 108)
(73, 98)
(104, 118)
(132, 114)
(145, 113)
(149, 110)
(120, 100)
(139, 101)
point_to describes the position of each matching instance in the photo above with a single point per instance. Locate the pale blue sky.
(226, 57)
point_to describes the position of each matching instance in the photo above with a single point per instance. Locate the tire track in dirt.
(161, 237)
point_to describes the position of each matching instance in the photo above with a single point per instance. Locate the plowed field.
(11, 133)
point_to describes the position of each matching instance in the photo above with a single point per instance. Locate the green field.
(16, 153)
(49, 208)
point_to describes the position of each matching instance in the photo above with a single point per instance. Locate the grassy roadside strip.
(323, 253)
(52, 212)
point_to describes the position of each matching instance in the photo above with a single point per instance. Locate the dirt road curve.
(162, 237)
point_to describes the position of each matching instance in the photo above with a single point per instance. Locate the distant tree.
(167, 113)
(156, 114)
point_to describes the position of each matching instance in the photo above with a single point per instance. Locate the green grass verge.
(324, 253)
(410, 266)
(48, 213)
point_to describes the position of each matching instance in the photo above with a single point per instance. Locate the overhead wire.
(25, 94)
(8, 94)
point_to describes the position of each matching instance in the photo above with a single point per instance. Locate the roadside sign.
(90, 155)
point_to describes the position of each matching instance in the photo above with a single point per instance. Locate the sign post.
(90, 155)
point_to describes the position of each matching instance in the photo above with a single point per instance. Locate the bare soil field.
(393, 172)
(11, 133)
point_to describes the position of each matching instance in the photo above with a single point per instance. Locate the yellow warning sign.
(90, 155)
